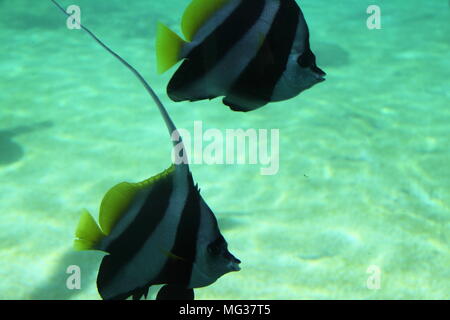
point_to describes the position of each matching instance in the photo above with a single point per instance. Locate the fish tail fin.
(168, 48)
(88, 233)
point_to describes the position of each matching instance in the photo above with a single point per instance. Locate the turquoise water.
(364, 172)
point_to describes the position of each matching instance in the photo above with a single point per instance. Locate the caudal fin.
(168, 48)
(88, 233)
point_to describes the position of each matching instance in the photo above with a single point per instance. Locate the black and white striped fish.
(251, 51)
(158, 231)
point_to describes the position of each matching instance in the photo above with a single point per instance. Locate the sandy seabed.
(364, 174)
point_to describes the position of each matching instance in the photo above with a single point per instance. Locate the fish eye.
(214, 249)
(217, 246)
(306, 59)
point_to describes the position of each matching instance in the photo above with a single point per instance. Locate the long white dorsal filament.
(169, 123)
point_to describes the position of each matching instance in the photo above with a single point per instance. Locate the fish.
(251, 52)
(159, 231)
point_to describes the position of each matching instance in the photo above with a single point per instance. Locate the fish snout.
(234, 264)
(319, 74)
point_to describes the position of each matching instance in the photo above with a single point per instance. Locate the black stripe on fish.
(131, 240)
(255, 85)
(109, 267)
(178, 271)
(211, 51)
(150, 214)
(111, 263)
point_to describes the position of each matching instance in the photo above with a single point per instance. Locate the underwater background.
(364, 174)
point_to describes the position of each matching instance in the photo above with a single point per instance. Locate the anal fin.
(241, 104)
(141, 292)
(174, 292)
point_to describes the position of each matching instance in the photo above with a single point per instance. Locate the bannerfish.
(252, 52)
(158, 231)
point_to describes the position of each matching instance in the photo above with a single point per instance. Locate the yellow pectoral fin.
(261, 39)
(171, 255)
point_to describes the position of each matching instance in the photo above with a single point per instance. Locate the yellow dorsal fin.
(197, 13)
(115, 203)
(119, 198)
